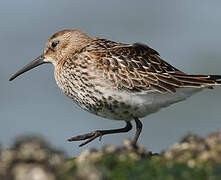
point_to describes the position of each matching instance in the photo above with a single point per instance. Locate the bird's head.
(60, 46)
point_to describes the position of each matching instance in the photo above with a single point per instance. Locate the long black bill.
(38, 61)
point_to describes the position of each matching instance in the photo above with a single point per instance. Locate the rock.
(196, 149)
(30, 158)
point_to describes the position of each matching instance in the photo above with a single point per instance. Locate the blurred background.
(185, 33)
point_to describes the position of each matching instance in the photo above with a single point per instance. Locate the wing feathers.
(199, 80)
(139, 67)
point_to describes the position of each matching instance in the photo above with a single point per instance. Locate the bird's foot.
(99, 133)
(89, 136)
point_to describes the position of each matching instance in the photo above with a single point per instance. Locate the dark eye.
(54, 44)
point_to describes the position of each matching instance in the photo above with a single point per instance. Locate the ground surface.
(193, 157)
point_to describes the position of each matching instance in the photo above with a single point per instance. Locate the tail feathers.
(198, 80)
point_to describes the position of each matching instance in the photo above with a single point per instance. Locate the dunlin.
(115, 80)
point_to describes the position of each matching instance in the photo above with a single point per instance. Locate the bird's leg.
(99, 133)
(138, 131)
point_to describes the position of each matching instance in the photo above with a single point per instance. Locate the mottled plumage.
(138, 67)
(115, 80)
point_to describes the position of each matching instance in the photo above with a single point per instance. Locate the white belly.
(141, 105)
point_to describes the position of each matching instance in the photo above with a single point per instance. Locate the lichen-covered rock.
(93, 155)
(195, 150)
(193, 158)
(89, 163)
(30, 158)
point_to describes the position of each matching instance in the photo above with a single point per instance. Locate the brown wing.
(139, 68)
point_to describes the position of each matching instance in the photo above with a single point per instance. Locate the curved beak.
(38, 61)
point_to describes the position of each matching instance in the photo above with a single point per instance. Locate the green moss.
(69, 171)
(116, 167)
(151, 168)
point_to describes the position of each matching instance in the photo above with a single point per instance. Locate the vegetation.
(193, 158)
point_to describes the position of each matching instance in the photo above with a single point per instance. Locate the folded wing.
(139, 68)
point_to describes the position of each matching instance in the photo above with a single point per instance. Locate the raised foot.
(99, 133)
(90, 136)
